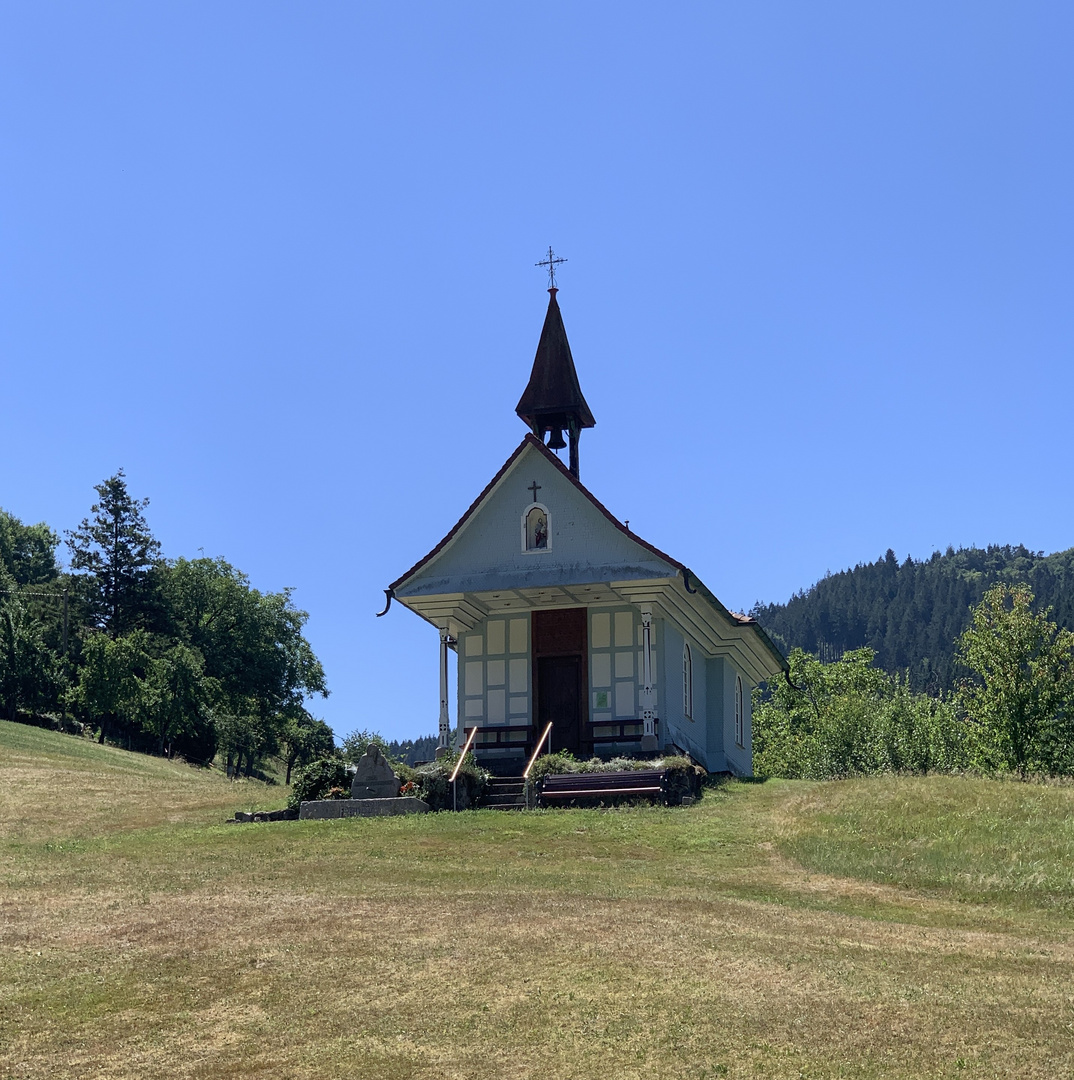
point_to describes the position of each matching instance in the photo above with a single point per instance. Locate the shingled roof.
(553, 389)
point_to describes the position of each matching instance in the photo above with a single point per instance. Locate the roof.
(692, 583)
(553, 389)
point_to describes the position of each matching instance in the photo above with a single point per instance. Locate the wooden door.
(560, 664)
(559, 696)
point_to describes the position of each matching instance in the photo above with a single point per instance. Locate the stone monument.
(374, 793)
(374, 777)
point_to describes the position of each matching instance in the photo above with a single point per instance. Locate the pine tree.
(118, 553)
(911, 615)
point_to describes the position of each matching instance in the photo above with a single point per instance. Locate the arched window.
(740, 731)
(687, 682)
(536, 533)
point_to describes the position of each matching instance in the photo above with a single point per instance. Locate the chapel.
(560, 615)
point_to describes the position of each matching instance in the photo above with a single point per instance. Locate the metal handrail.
(462, 756)
(458, 765)
(537, 750)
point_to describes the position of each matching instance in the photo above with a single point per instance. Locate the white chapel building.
(560, 615)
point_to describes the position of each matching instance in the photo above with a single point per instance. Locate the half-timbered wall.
(495, 683)
(616, 671)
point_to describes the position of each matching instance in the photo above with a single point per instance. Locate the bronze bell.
(556, 441)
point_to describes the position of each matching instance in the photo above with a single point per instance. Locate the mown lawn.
(894, 927)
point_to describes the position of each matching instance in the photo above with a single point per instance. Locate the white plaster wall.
(487, 553)
(690, 733)
(739, 758)
(715, 673)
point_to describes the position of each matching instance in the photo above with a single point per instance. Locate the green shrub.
(560, 762)
(850, 719)
(618, 764)
(317, 779)
(434, 787)
(564, 762)
(683, 776)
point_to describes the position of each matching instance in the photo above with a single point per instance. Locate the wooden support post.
(648, 699)
(444, 740)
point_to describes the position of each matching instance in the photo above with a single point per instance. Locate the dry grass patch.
(63, 787)
(633, 943)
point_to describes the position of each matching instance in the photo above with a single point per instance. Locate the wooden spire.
(553, 401)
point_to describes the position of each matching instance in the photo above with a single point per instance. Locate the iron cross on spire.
(551, 262)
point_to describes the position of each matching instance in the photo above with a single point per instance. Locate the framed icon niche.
(536, 528)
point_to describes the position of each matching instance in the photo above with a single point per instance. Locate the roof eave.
(753, 624)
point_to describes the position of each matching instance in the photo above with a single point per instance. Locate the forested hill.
(911, 613)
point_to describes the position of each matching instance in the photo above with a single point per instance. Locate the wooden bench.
(639, 783)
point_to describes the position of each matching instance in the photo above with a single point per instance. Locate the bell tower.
(552, 402)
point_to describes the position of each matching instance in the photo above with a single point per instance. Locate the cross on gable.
(534, 487)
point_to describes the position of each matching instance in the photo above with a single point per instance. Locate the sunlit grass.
(862, 929)
(980, 840)
(59, 785)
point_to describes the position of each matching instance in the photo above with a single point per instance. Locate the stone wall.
(320, 809)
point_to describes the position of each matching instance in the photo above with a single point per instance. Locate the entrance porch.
(589, 669)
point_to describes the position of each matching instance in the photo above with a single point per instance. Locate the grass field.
(895, 927)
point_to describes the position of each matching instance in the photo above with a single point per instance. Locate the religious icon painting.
(536, 529)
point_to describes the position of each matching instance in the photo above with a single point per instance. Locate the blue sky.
(276, 261)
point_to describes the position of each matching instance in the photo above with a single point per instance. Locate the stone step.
(505, 793)
(505, 802)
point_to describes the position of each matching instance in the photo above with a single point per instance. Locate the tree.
(912, 614)
(174, 697)
(27, 552)
(816, 723)
(849, 717)
(118, 553)
(253, 647)
(304, 738)
(411, 751)
(110, 690)
(358, 742)
(245, 738)
(1021, 701)
(27, 669)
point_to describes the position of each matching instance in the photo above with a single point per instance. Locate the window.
(687, 682)
(740, 732)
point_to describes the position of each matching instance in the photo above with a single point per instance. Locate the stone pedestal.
(320, 809)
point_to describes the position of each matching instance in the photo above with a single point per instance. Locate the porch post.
(648, 700)
(443, 743)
